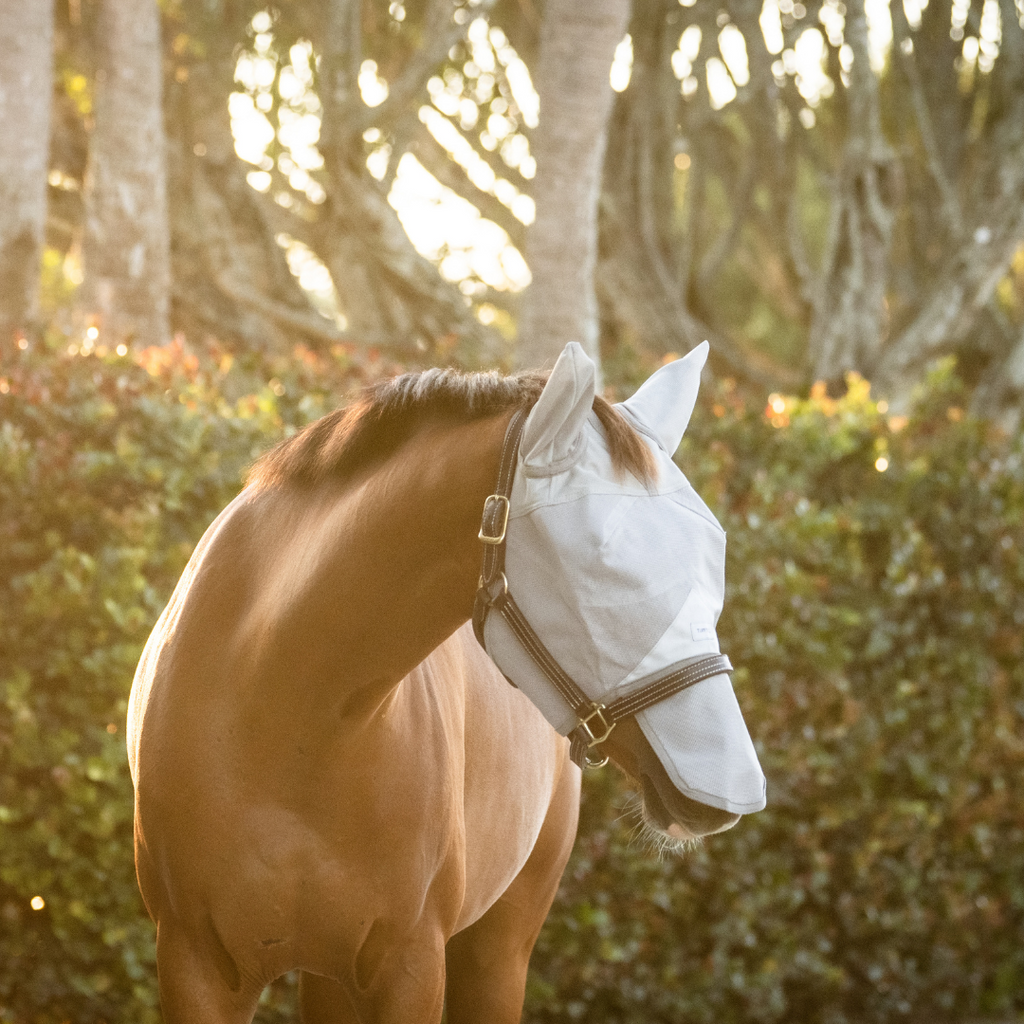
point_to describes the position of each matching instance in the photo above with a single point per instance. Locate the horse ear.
(664, 402)
(556, 421)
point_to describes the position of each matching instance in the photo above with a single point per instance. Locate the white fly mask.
(623, 581)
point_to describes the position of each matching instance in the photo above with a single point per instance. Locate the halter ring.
(495, 590)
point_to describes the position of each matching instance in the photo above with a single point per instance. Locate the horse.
(334, 776)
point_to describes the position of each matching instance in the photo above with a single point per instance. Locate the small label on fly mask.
(699, 632)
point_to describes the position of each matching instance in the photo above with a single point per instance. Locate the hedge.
(875, 608)
(110, 470)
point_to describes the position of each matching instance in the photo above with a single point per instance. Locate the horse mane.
(383, 416)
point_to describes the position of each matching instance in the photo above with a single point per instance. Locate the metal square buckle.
(584, 723)
(499, 535)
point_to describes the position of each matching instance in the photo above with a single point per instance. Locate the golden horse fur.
(331, 776)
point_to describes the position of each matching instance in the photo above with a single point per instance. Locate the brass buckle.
(584, 723)
(495, 538)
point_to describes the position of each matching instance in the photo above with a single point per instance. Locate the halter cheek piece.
(594, 721)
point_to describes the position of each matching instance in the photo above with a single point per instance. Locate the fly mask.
(617, 585)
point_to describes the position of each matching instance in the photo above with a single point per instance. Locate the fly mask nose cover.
(622, 581)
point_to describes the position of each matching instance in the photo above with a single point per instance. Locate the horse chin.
(680, 819)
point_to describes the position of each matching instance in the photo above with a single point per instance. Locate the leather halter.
(594, 721)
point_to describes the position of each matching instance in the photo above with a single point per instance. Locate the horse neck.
(383, 571)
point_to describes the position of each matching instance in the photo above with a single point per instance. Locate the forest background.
(219, 217)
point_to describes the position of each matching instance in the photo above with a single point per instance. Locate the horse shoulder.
(518, 778)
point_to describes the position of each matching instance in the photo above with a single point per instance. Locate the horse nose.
(701, 819)
(681, 816)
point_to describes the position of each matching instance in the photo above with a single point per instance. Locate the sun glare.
(276, 101)
(470, 250)
(720, 83)
(448, 229)
(622, 64)
(372, 87)
(733, 48)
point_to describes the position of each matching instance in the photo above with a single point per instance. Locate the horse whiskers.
(650, 839)
(631, 807)
(632, 810)
(662, 845)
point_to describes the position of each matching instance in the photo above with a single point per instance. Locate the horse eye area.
(664, 810)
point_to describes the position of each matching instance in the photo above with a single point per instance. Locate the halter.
(594, 721)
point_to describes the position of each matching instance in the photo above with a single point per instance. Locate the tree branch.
(742, 195)
(310, 325)
(440, 34)
(950, 205)
(952, 307)
(435, 159)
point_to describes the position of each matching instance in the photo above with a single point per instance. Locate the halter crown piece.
(595, 721)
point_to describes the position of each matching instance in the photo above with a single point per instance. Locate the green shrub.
(876, 618)
(109, 473)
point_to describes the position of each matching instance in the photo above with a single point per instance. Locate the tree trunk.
(389, 293)
(126, 249)
(953, 306)
(26, 88)
(231, 278)
(653, 281)
(850, 311)
(577, 46)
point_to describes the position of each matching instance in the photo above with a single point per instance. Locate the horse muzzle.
(665, 809)
(679, 816)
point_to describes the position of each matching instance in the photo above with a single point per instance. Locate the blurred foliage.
(110, 469)
(876, 611)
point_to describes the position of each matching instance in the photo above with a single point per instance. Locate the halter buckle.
(498, 536)
(605, 725)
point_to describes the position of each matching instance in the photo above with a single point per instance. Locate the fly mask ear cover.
(623, 582)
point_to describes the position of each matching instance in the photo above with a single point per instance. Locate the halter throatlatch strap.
(594, 721)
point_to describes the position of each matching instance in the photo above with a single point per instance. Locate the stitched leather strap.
(667, 685)
(494, 523)
(506, 606)
(675, 681)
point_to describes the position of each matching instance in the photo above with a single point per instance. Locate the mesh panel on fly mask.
(622, 582)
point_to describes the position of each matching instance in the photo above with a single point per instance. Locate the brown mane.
(383, 416)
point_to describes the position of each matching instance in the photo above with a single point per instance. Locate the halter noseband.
(594, 721)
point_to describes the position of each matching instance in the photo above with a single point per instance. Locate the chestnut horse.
(331, 774)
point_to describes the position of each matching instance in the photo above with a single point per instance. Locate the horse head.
(621, 579)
